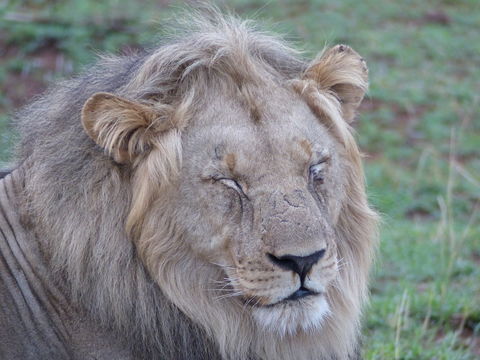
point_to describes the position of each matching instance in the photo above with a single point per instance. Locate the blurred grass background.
(419, 128)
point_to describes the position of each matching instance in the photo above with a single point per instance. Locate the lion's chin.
(291, 317)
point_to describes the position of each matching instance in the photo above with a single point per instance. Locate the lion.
(201, 200)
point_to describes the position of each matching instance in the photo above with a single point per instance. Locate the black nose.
(299, 264)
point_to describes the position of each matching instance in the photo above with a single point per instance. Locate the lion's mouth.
(300, 293)
(297, 296)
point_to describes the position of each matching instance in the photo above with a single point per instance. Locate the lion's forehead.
(281, 111)
(282, 143)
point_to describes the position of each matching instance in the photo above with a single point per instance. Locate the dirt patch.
(467, 332)
(419, 215)
(28, 75)
(437, 16)
(476, 257)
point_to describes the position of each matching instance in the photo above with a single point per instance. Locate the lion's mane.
(80, 200)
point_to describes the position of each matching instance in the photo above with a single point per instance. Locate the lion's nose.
(299, 264)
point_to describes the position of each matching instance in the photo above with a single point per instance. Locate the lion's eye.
(230, 183)
(317, 172)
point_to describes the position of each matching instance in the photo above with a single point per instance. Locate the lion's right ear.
(122, 127)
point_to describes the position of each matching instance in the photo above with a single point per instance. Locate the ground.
(419, 129)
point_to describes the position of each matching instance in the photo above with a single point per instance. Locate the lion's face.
(269, 171)
(260, 200)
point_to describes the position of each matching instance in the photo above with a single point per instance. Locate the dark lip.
(300, 293)
(295, 296)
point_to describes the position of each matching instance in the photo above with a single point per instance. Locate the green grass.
(419, 128)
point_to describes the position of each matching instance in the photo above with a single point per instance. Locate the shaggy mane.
(88, 209)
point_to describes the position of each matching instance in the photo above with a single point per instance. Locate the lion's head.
(225, 166)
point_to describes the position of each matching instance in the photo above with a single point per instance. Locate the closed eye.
(231, 184)
(317, 171)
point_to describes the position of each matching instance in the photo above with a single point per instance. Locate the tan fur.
(202, 223)
(119, 125)
(328, 72)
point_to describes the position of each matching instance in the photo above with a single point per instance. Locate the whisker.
(223, 266)
(256, 303)
(247, 303)
(221, 289)
(341, 263)
(226, 296)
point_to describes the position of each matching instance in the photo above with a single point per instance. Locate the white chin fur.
(293, 316)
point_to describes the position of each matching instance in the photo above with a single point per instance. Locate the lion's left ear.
(341, 71)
